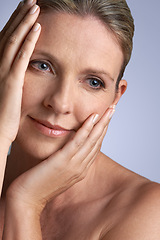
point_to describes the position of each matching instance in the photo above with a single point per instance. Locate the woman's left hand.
(63, 169)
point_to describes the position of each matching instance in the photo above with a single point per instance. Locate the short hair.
(115, 14)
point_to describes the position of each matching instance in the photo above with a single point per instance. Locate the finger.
(94, 140)
(17, 38)
(80, 137)
(95, 150)
(88, 161)
(14, 21)
(85, 155)
(83, 164)
(82, 140)
(99, 128)
(22, 60)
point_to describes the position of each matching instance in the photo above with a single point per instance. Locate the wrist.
(18, 201)
(21, 221)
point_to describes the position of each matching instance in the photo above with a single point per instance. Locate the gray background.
(133, 136)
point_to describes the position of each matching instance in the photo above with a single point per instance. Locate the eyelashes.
(42, 66)
(95, 83)
(46, 67)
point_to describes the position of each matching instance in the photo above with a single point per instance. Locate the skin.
(65, 185)
(65, 90)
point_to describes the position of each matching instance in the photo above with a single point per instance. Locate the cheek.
(32, 93)
(28, 98)
(94, 104)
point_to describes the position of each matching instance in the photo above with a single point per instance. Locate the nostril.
(49, 106)
(57, 111)
(59, 103)
(67, 112)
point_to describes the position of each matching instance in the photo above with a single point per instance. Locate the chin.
(32, 143)
(39, 148)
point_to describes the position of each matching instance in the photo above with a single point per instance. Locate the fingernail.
(33, 9)
(113, 106)
(29, 2)
(20, 4)
(36, 27)
(95, 118)
(111, 112)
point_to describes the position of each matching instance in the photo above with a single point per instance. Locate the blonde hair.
(115, 14)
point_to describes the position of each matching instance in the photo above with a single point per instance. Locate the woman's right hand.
(17, 42)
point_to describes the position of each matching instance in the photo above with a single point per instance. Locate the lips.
(51, 126)
(48, 129)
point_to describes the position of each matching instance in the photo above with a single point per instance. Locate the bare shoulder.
(142, 221)
(138, 207)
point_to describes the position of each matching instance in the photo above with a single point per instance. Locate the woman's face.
(72, 74)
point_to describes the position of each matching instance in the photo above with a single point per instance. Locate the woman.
(60, 81)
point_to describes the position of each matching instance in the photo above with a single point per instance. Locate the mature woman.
(60, 80)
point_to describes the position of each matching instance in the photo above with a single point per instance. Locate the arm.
(21, 222)
(13, 65)
(29, 192)
(32, 190)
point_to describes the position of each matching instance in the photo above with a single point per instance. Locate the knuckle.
(83, 175)
(12, 39)
(22, 11)
(26, 20)
(92, 142)
(77, 143)
(88, 129)
(75, 168)
(9, 31)
(29, 40)
(21, 54)
(78, 174)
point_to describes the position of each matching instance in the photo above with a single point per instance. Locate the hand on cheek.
(64, 168)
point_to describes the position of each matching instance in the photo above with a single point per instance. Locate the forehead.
(84, 41)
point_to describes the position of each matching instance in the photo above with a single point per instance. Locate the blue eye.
(41, 66)
(96, 83)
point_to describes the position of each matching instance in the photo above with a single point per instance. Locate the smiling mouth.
(48, 129)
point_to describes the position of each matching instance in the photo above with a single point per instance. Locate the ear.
(121, 90)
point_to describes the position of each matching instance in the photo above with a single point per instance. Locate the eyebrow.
(99, 72)
(54, 59)
(48, 55)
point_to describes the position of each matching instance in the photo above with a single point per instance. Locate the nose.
(60, 100)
